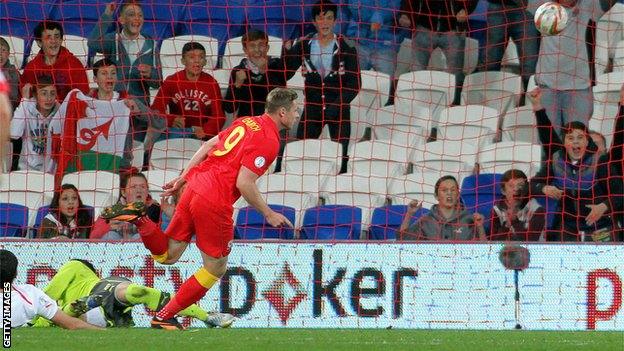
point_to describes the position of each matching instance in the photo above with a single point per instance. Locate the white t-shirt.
(563, 63)
(27, 302)
(34, 129)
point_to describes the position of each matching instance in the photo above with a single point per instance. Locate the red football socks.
(152, 236)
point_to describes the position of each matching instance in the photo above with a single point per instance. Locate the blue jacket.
(362, 13)
(128, 75)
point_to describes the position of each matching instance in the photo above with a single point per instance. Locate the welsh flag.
(89, 134)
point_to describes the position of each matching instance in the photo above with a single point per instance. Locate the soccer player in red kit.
(191, 98)
(224, 168)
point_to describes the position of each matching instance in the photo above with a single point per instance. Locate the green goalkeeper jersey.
(72, 281)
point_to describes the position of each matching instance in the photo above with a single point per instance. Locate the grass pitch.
(52, 339)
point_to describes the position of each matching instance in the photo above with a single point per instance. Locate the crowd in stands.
(577, 194)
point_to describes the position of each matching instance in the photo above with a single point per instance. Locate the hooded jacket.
(434, 226)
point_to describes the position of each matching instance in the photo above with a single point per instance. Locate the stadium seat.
(519, 125)
(496, 89)
(138, 151)
(214, 18)
(172, 153)
(234, 51)
(379, 158)
(364, 191)
(297, 191)
(400, 127)
(445, 156)
(332, 222)
(16, 50)
(474, 124)
(171, 52)
(27, 188)
(480, 192)
(503, 156)
(13, 220)
(618, 57)
(222, 76)
(312, 156)
(416, 186)
(156, 178)
(373, 95)
(432, 89)
(252, 225)
(607, 95)
(510, 57)
(97, 189)
(386, 221)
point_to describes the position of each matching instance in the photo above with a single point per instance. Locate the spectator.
(516, 217)
(447, 220)
(254, 77)
(5, 120)
(135, 53)
(332, 78)
(67, 217)
(105, 74)
(29, 302)
(582, 181)
(134, 188)
(373, 24)
(55, 60)
(30, 132)
(563, 67)
(10, 72)
(191, 99)
(439, 23)
(510, 19)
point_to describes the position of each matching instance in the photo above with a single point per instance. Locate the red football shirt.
(252, 142)
(198, 102)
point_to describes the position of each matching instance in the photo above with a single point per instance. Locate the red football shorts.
(212, 225)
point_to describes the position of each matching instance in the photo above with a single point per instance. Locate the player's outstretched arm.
(67, 322)
(246, 184)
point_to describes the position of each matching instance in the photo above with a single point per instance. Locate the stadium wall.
(373, 285)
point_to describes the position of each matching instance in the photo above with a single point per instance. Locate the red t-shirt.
(198, 102)
(252, 142)
(67, 72)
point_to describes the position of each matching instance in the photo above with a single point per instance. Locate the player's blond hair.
(278, 98)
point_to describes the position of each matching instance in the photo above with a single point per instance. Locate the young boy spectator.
(135, 53)
(332, 78)
(105, 75)
(191, 99)
(584, 184)
(516, 216)
(447, 220)
(30, 134)
(255, 76)
(55, 60)
(10, 72)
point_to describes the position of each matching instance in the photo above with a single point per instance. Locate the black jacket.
(329, 97)
(250, 98)
(437, 15)
(606, 187)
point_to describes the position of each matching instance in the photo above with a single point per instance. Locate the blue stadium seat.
(163, 18)
(220, 19)
(480, 192)
(43, 211)
(251, 224)
(77, 16)
(332, 222)
(13, 220)
(387, 220)
(19, 18)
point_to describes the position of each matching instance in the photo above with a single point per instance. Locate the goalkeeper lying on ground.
(108, 302)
